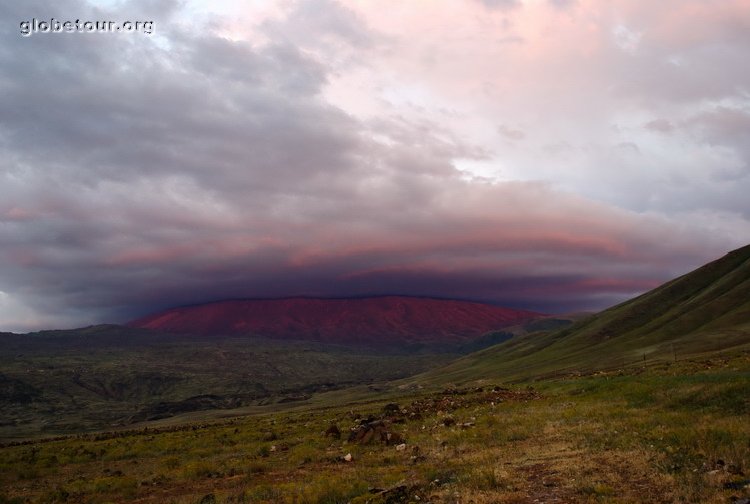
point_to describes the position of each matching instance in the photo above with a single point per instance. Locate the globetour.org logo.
(84, 26)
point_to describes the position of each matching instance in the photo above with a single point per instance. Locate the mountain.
(373, 320)
(234, 354)
(702, 312)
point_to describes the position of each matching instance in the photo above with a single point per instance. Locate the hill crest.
(369, 320)
(700, 313)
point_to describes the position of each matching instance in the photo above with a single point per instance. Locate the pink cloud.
(461, 148)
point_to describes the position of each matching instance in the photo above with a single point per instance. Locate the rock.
(737, 485)
(374, 431)
(398, 493)
(391, 408)
(367, 436)
(348, 457)
(393, 438)
(333, 431)
(401, 447)
(415, 459)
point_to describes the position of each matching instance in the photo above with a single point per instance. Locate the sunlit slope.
(704, 311)
(384, 320)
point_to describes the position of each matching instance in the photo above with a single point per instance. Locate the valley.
(56, 384)
(373, 252)
(647, 398)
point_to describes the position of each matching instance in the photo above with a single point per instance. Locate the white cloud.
(626, 39)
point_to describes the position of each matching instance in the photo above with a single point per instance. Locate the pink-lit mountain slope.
(374, 320)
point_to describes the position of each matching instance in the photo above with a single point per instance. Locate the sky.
(556, 155)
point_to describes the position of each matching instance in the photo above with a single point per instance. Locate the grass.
(97, 378)
(667, 434)
(646, 401)
(695, 315)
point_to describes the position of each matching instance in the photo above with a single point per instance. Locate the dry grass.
(678, 435)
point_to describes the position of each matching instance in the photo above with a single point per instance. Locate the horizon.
(549, 155)
(317, 298)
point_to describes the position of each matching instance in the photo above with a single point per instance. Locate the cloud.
(511, 133)
(501, 4)
(626, 39)
(144, 172)
(660, 125)
(563, 4)
(319, 23)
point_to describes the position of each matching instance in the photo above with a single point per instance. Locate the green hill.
(705, 311)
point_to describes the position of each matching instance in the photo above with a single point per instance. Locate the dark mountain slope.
(104, 376)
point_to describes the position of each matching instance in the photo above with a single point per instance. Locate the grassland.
(673, 432)
(705, 311)
(102, 377)
(648, 401)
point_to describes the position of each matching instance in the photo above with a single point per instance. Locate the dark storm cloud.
(140, 172)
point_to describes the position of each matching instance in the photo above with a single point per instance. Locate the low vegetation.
(59, 382)
(705, 311)
(647, 401)
(672, 432)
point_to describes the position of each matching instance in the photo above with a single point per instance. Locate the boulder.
(374, 431)
(391, 408)
(333, 431)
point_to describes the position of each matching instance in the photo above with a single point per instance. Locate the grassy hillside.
(646, 401)
(704, 311)
(675, 433)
